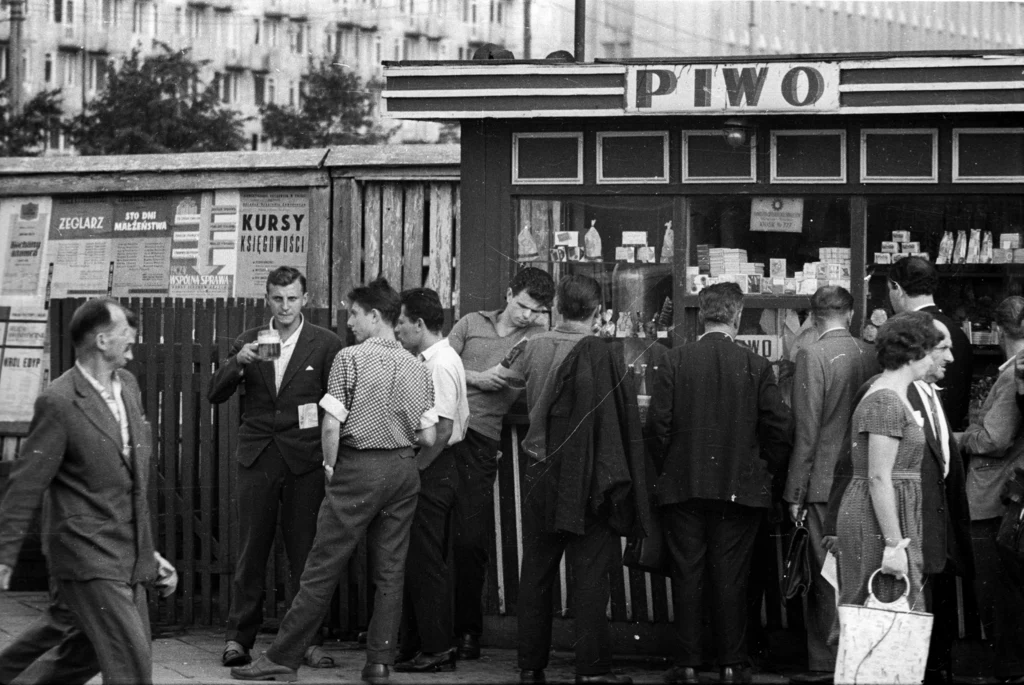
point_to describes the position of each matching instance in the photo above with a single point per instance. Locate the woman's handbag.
(882, 642)
(649, 554)
(796, 574)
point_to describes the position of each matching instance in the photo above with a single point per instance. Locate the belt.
(344, 451)
(896, 475)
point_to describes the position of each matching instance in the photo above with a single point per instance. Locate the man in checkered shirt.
(379, 406)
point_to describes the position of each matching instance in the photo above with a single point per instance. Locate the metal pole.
(527, 28)
(580, 35)
(15, 77)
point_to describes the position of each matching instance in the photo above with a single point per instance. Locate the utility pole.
(527, 29)
(15, 77)
(580, 31)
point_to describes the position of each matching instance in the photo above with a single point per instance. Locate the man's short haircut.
(577, 296)
(285, 276)
(91, 317)
(423, 303)
(719, 303)
(1008, 316)
(917, 276)
(379, 295)
(536, 283)
(906, 338)
(831, 301)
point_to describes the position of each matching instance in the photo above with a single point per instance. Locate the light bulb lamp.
(738, 132)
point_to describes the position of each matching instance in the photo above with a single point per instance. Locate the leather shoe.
(424, 663)
(265, 669)
(736, 674)
(812, 678)
(376, 674)
(235, 654)
(604, 679)
(469, 647)
(682, 675)
(529, 676)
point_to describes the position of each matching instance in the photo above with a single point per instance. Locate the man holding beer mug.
(283, 367)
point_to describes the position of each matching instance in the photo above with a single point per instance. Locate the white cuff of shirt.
(428, 419)
(335, 407)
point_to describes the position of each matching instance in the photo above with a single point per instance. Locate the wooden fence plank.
(150, 316)
(347, 240)
(457, 244)
(169, 445)
(371, 231)
(412, 241)
(225, 424)
(236, 325)
(439, 276)
(391, 234)
(207, 474)
(318, 259)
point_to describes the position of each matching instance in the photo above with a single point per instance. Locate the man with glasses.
(483, 339)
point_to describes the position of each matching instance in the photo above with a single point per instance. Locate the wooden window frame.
(957, 178)
(578, 180)
(831, 180)
(686, 178)
(864, 178)
(664, 178)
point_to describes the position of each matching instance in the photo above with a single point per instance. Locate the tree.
(156, 104)
(24, 134)
(336, 108)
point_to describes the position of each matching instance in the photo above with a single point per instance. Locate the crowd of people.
(396, 439)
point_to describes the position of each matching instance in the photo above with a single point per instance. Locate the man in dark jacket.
(720, 430)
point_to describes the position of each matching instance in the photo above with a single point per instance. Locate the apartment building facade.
(258, 50)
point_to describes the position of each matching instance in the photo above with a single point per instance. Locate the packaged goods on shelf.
(777, 268)
(923, 255)
(1009, 241)
(986, 248)
(960, 248)
(890, 246)
(945, 249)
(1002, 256)
(1018, 255)
(668, 244)
(897, 256)
(625, 254)
(900, 236)
(592, 243)
(974, 246)
(527, 245)
(883, 258)
(910, 247)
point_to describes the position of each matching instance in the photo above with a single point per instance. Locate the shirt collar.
(923, 306)
(837, 328)
(434, 349)
(391, 344)
(492, 316)
(294, 336)
(1002, 367)
(703, 335)
(926, 387)
(116, 382)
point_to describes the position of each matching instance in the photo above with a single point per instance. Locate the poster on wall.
(21, 376)
(23, 227)
(80, 252)
(142, 245)
(204, 233)
(273, 231)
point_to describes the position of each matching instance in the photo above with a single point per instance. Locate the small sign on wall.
(777, 214)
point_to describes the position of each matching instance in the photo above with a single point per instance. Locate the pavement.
(193, 656)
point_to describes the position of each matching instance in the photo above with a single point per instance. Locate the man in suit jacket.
(912, 285)
(719, 432)
(279, 453)
(829, 372)
(946, 537)
(88, 452)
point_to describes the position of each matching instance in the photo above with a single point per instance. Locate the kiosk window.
(808, 156)
(899, 156)
(708, 158)
(634, 157)
(983, 155)
(547, 158)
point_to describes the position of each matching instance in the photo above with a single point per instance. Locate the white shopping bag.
(881, 643)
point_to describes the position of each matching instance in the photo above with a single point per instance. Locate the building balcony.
(70, 37)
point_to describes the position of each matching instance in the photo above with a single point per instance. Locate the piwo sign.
(811, 87)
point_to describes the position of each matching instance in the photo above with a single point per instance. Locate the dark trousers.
(940, 598)
(476, 459)
(820, 608)
(711, 541)
(115, 618)
(427, 608)
(263, 489)
(51, 651)
(1000, 601)
(373, 492)
(589, 558)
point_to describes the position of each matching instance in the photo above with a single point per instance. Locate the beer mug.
(268, 345)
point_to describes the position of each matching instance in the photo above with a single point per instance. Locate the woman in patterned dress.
(879, 522)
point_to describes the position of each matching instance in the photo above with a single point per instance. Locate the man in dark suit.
(279, 453)
(945, 517)
(88, 453)
(828, 374)
(912, 285)
(719, 431)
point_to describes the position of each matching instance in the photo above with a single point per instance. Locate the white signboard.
(733, 88)
(777, 214)
(767, 346)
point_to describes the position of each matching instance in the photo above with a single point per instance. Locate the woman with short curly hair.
(879, 522)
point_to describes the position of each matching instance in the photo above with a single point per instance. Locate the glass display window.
(626, 243)
(975, 243)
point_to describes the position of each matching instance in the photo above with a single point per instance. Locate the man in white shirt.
(427, 616)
